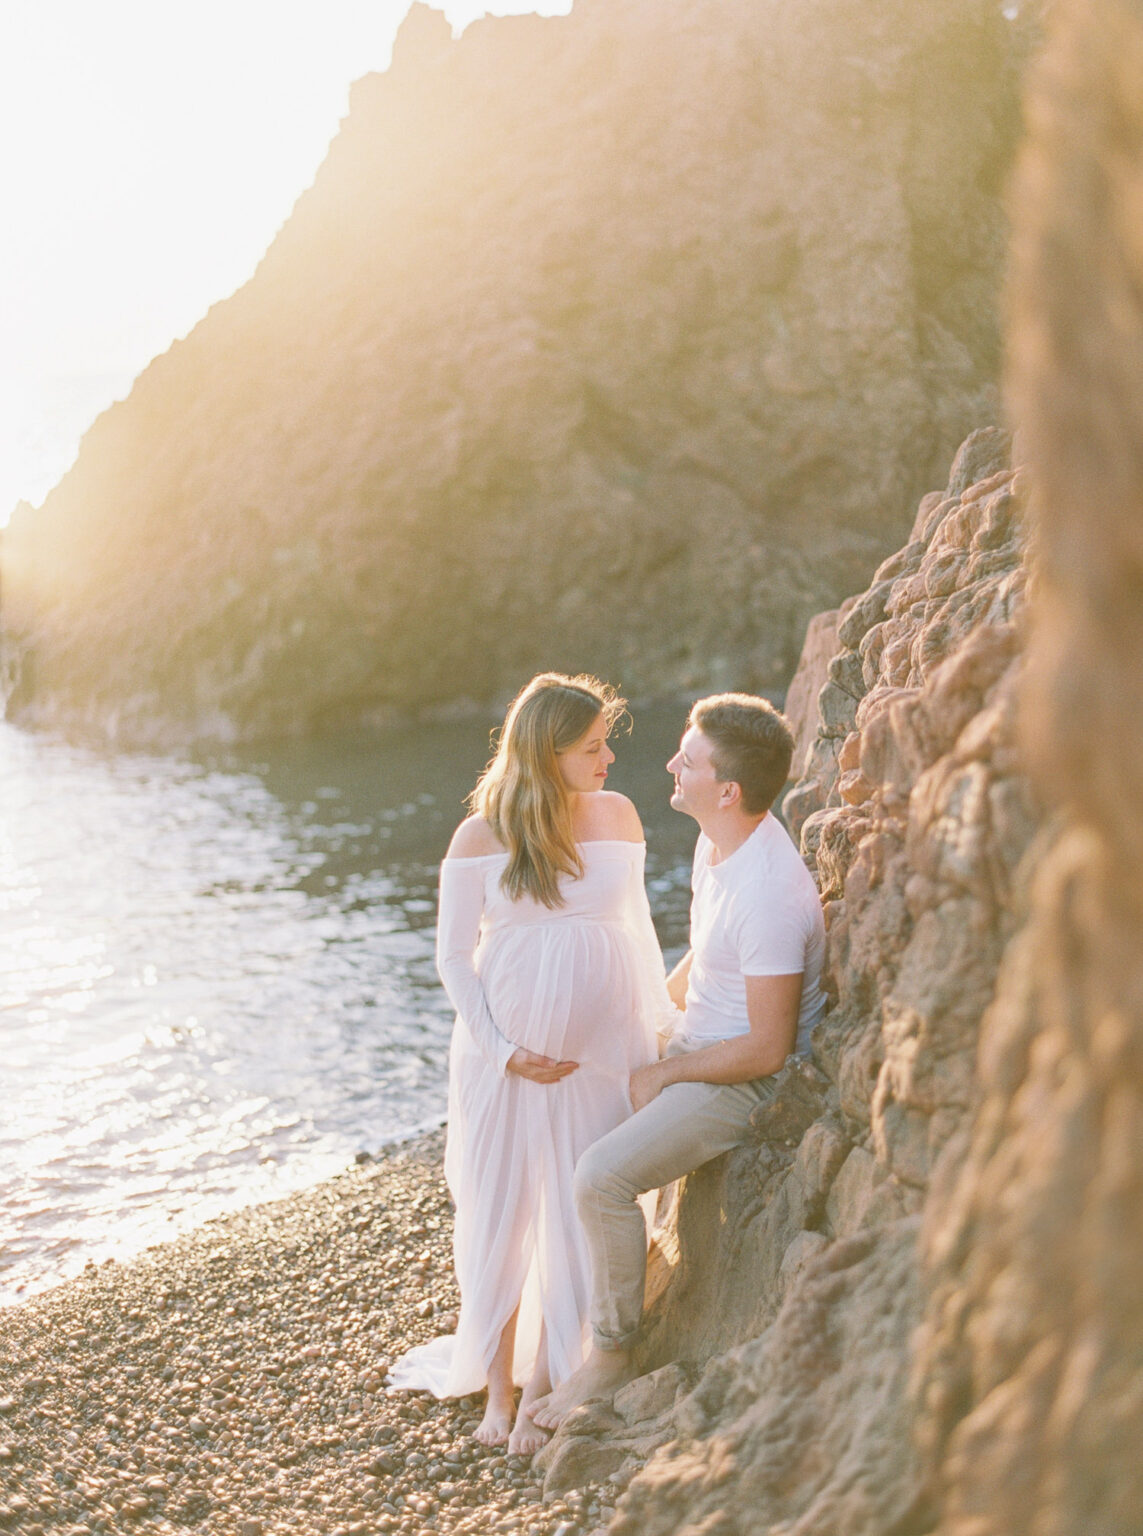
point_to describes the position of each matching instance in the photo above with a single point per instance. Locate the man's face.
(697, 789)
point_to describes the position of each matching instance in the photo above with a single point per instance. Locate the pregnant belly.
(569, 991)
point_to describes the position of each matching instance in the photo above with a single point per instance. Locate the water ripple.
(216, 977)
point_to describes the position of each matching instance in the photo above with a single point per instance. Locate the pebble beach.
(231, 1382)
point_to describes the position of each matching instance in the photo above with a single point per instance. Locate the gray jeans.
(684, 1127)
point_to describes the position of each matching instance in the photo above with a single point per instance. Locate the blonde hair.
(521, 794)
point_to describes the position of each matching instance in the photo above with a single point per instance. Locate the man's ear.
(731, 794)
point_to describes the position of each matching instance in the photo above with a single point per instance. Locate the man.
(750, 990)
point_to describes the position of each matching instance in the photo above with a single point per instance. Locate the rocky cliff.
(1030, 1368)
(598, 341)
(913, 1307)
(778, 1349)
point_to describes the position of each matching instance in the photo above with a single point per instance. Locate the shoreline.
(230, 1380)
(14, 1295)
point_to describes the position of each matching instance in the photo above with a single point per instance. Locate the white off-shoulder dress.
(580, 982)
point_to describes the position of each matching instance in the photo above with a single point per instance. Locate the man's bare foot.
(603, 1372)
(496, 1425)
(527, 1437)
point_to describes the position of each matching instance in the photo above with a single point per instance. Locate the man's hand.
(646, 1084)
(539, 1069)
(678, 979)
(772, 1006)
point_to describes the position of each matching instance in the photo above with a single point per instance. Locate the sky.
(150, 151)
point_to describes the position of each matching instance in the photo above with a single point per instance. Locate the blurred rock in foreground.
(619, 340)
(1031, 1366)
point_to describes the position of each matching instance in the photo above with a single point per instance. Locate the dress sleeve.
(458, 932)
(666, 1015)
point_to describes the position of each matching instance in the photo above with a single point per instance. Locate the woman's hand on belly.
(539, 1069)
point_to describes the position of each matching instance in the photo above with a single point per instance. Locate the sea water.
(216, 973)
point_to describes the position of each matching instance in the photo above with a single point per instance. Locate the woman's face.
(584, 765)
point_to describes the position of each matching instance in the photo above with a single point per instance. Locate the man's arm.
(772, 1004)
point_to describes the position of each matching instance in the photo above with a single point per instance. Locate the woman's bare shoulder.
(473, 839)
(612, 815)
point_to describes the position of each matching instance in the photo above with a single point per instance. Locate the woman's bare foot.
(527, 1437)
(496, 1425)
(603, 1372)
(500, 1409)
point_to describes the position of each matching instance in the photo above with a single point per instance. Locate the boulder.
(814, 1434)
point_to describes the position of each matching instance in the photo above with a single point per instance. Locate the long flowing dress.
(580, 982)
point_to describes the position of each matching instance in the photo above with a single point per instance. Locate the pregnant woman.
(547, 952)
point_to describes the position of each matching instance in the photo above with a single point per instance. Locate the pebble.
(233, 1380)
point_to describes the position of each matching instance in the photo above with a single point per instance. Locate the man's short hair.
(752, 745)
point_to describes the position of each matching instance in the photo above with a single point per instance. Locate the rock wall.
(914, 1308)
(779, 1393)
(1031, 1364)
(584, 320)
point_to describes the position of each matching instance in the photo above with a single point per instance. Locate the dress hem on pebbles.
(583, 981)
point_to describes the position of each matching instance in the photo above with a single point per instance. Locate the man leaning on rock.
(750, 991)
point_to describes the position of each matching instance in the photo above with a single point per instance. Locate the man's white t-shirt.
(756, 913)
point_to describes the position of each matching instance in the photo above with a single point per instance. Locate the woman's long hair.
(521, 794)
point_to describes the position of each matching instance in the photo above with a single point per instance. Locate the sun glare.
(152, 153)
